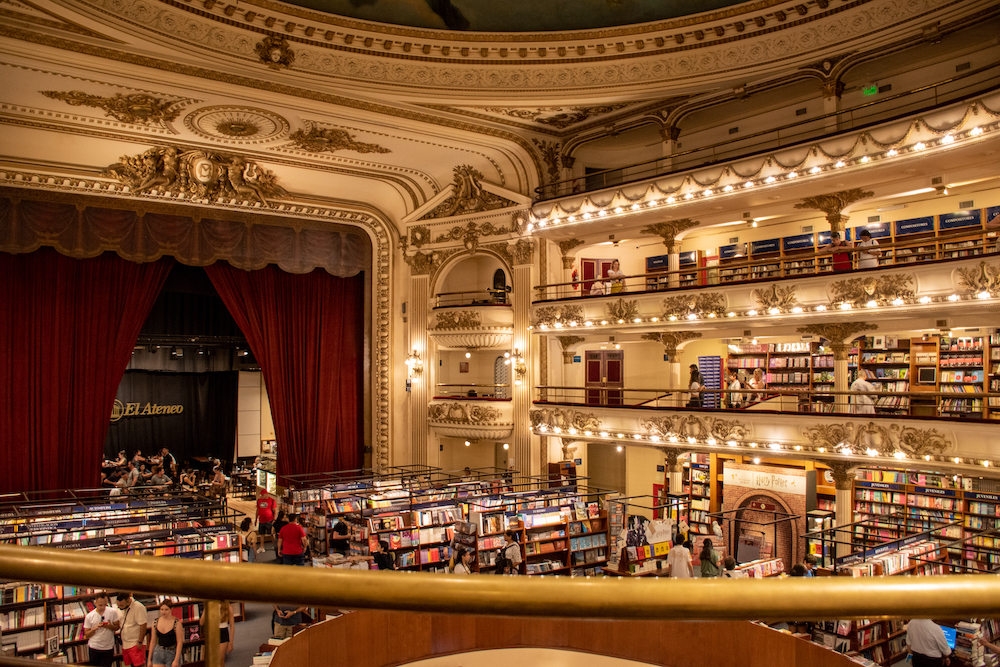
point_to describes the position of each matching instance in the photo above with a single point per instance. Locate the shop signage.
(120, 410)
(975, 495)
(915, 225)
(881, 485)
(577, 359)
(960, 219)
(934, 491)
(992, 212)
(824, 237)
(769, 245)
(798, 242)
(734, 250)
(762, 506)
(770, 481)
(882, 549)
(688, 258)
(876, 229)
(658, 262)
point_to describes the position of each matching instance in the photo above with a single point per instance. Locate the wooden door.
(604, 374)
(590, 269)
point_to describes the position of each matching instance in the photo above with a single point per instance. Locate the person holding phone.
(99, 628)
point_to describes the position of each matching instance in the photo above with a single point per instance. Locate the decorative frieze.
(885, 439)
(622, 310)
(549, 315)
(774, 296)
(459, 319)
(699, 304)
(330, 139)
(980, 278)
(463, 413)
(470, 234)
(683, 426)
(565, 419)
(139, 108)
(882, 289)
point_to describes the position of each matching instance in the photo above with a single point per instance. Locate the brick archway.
(781, 535)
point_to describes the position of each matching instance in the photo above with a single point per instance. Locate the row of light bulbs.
(770, 180)
(924, 300)
(673, 438)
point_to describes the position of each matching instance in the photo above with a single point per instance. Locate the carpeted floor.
(250, 634)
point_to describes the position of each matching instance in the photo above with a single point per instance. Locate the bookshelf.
(788, 366)
(700, 493)
(993, 379)
(888, 369)
(961, 371)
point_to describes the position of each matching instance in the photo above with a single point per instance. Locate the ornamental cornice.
(763, 34)
(885, 439)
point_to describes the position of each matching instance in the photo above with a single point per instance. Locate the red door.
(604, 372)
(591, 269)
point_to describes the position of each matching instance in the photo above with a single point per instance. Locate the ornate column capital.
(671, 339)
(834, 203)
(832, 88)
(670, 133)
(843, 474)
(841, 351)
(837, 332)
(669, 230)
(672, 459)
(565, 247)
(566, 342)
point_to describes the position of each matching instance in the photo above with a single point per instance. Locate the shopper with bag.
(133, 630)
(509, 556)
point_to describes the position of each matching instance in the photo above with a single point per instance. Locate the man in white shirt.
(679, 560)
(99, 627)
(867, 256)
(927, 643)
(133, 631)
(864, 404)
(735, 397)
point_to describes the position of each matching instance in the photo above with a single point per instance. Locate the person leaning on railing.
(841, 251)
(735, 396)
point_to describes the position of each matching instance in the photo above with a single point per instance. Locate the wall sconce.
(414, 363)
(517, 362)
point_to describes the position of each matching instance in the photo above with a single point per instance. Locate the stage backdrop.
(194, 414)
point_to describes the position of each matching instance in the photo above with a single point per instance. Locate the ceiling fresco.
(513, 15)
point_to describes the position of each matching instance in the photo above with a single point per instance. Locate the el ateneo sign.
(121, 410)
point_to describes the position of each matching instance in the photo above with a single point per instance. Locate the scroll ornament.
(565, 419)
(622, 310)
(462, 413)
(695, 426)
(197, 174)
(981, 278)
(881, 289)
(700, 304)
(549, 315)
(455, 319)
(773, 296)
(884, 439)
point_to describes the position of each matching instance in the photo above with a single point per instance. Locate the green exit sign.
(870, 90)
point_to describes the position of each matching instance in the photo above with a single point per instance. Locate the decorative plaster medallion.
(776, 297)
(700, 305)
(236, 125)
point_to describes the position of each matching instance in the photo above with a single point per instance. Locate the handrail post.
(211, 633)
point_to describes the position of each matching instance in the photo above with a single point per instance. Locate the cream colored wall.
(454, 455)
(471, 273)
(480, 367)
(253, 416)
(641, 474)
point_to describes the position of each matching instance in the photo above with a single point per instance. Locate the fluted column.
(522, 436)
(843, 479)
(839, 334)
(841, 375)
(420, 390)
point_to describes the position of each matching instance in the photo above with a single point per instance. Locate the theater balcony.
(472, 412)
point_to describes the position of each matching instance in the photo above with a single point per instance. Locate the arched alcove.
(471, 274)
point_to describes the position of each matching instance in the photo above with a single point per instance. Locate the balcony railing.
(483, 392)
(935, 404)
(883, 110)
(485, 297)
(780, 265)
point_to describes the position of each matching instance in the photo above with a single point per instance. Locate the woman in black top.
(383, 558)
(339, 542)
(168, 637)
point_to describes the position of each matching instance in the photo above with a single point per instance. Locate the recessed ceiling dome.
(513, 15)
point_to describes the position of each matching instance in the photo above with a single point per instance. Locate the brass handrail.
(950, 596)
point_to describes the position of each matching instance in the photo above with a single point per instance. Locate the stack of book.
(967, 646)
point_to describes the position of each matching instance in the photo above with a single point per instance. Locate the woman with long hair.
(617, 277)
(227, 630)
(757, 382)
(709, 560)
(694, 386)
(166, 645)
(463, 561)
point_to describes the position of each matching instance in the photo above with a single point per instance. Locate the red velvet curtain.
(306, 330)
(66, 336)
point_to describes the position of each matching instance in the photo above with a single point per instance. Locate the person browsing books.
(709, 558)
(927, 643)
(679, 559)
(463, 561)
(286, 617)
(863, 402)
(694, 387)
(511, 553)
(99, 627)
(867, 253)
(383, 558)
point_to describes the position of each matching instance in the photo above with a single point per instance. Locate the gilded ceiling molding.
(521, 251)
(981, 278)
(550, 156)
(469, 234)
(567, 246)
(275, 52)
(468, 196)
(699, 304)
(329, 140)
(549, 315)
(557, 117)
(622, 309)
(424, 263)
(564, 419)
(197, 175)
(671, 339)
(237, 124)
(886, 439)
(567, 342)
(458, 319)
(696, 426)
(283, 89)
(373, 57)
(419, 236)
(138, 108)
(881, 289)
(833, 205)
(774, 296)
(668, 230)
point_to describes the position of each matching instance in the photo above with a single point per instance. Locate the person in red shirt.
(292, 542)
(265, 513)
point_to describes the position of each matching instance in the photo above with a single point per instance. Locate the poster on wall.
(194, 414)
(463, 367)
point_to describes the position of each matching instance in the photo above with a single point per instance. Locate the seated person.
(598, 289)
(159, 478)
